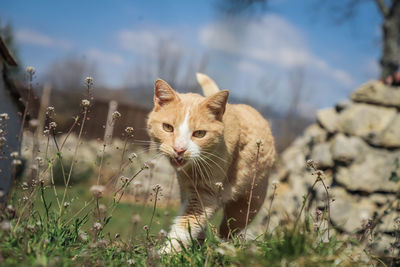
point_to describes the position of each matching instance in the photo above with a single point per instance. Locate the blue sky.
(251, 57)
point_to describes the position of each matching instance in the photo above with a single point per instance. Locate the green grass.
(121, 221)
(41, 240)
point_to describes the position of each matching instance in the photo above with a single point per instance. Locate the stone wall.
(357, 145)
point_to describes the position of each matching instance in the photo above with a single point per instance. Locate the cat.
(213, 146)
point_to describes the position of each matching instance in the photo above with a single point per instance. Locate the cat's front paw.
(171, 246)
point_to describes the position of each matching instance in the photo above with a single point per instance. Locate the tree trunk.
(390, 42)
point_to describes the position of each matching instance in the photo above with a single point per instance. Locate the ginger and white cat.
(213, 146)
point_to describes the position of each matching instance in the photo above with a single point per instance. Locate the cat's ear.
(216, 103)
(163, 94)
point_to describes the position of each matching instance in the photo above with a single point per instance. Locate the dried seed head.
(311, 164)
(52, 125)
(124, 179)
(4, 116)
(97, 226)
(275, 184)
(46, 132)
(66, 204)
(97, 190)
(259, 142)
(116, 115)
(219, 185)
(50, 111)
(14, 154)
(89, 80)
(85, 103)
(30, 70)
(129, 130)
(157, 187)
(132, 156)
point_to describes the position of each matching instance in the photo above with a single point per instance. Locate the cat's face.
(186, 126)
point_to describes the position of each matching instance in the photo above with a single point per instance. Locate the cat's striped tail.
(207, 84)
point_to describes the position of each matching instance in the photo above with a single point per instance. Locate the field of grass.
(44, 238)
(88, 224)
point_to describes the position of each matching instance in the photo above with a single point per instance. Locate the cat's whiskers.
(203, 177)
(205, 158)
(212, 154)
(207, 168)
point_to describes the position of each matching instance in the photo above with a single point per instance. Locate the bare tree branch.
(382, 7)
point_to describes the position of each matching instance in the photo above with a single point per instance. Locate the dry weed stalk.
(156, 189)
(89, 83)
(259, 143)
(275, 185)
(311, 164)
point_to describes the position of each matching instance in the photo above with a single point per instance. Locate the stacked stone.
(357, 145)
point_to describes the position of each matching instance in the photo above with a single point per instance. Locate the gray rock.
(316, 134)
(389, 222)
(372, 174)
(381, 199)
(328, 119)
(376, 92)
(342, 105)
(348, 212)
(346, 149)
(321, 154)
(390, 136)
(381, 245)
(365, 120)
(294, 159)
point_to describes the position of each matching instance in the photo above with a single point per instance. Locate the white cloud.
(271, 40)
(36, 38)
(104, 57)
(249, 67)
(148, 41)
(137, 41)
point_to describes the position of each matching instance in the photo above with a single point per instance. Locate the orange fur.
(218, 168)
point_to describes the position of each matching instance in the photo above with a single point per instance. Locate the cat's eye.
(168, 127)
(199, 133)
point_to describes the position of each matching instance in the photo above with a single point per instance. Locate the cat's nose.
(179, 150)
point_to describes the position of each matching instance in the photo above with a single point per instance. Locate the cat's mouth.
(178, 161)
